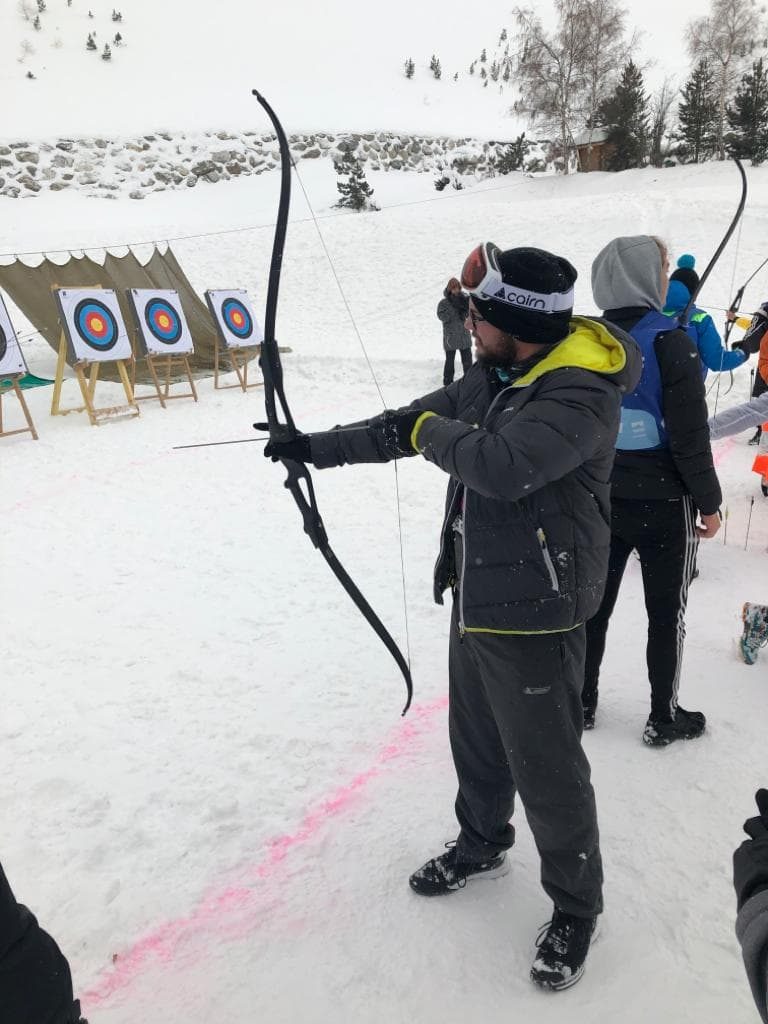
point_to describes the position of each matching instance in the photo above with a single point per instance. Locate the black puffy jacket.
(530, 467)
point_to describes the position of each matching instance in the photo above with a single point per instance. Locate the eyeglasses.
(475, 318)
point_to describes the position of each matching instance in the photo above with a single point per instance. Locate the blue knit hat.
(686, 261)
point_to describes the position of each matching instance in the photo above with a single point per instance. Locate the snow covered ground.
(211, 799)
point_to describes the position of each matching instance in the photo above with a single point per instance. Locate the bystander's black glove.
(750, 861)
(298, 449)
(398, 427)
(738, 346)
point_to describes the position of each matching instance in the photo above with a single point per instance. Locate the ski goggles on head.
(481, 278)
(480, 273)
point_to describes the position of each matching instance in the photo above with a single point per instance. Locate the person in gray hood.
(663, 476)
(526, 438)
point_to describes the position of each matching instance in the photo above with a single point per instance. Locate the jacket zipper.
(462, 627)
(550, 565)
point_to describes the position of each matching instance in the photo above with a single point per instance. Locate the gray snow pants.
(515, 722)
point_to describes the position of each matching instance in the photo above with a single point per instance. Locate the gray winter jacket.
(453, 312)
(530, 469)
(739, 417)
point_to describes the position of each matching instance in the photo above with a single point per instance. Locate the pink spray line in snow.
(236, 910)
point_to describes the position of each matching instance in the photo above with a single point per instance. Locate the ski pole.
(725, 527)
(749, 520)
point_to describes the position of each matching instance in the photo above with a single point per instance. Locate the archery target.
(162, 327)
(232, 311)
(94, 325)
(11, 357)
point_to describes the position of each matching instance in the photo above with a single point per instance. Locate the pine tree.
(514, 155)
(503, 36)
(472, 67)
(456, 77)
(434, 67)
(409, 67)
(483, 73)
(356, 193)
(748, 116)
(495, 71)
(697, 115)
(626, 115)
(41, 5)
(29, 75)
(36, 23)
(483, 56)
(118, 39)
(91, 44)
(107, 53)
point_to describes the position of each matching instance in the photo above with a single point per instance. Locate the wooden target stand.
(168, 361)
(4, 389)
(240, 368)
(88, 386)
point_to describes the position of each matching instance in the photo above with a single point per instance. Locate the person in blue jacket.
(682, 284)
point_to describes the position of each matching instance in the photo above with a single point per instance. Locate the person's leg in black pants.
(449, 368)
(466, 359)
(597, 627)
(667, 553)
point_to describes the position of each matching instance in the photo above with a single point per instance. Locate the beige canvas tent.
(31, 290)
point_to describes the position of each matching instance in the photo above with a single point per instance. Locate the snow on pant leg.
(449, 368)
(667, 556)
(486, 796)
(597, 627)
(533, 687)
(466, 358)
(35, 980)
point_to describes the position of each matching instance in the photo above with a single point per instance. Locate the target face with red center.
(162, 328)
(93, 324)
(234, 317)
(11, 358)
(96, 325)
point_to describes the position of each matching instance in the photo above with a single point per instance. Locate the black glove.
(750, 861)
(739, 346)
(398, 427)
(298, 449)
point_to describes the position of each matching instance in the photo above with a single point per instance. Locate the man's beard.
(506, 354)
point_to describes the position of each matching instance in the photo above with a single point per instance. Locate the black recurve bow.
(298, 480)
(683, 318)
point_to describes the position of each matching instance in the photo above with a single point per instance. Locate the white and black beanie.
(537, 300)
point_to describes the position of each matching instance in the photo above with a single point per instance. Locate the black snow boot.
(590, 710)
(447, 873)
(686, 725)
(755, 439)
(563, 947)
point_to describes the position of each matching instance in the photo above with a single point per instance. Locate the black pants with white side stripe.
(663, 533)
(515, 724)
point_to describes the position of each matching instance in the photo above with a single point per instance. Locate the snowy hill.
(334, 66)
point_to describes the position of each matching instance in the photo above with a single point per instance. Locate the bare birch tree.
(551, 71)
(661, 104)
(607, 50)
(725, 39)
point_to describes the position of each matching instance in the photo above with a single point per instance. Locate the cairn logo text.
(518, 298)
